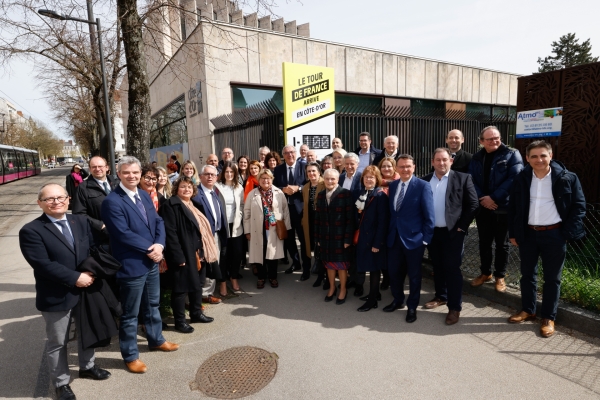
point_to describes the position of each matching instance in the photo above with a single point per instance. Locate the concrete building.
(213, 58)
(10, 118)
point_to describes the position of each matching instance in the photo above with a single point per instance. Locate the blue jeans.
(552, 248)
(140, 295)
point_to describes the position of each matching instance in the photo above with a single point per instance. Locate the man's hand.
(374, 250)
(248, 236)
(290, 189)
(85, 279)
(155, 252)
(346, 245)
(513, 242)
(487, 202)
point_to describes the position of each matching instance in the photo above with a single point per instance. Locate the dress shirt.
(129, 193)
(406, 184)
(287, 171)
(438, 187)
(348, 182)
(363, 160)
(542, 210)
(64, 218)
(210, 202)
(229, 198)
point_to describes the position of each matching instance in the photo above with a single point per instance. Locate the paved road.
(325, 351)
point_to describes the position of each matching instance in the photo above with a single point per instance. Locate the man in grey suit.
(54, 244)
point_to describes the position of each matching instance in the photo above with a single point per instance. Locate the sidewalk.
(325, 351)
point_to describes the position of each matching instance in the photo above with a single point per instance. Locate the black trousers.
(178, 305)
(296, 222)
(493, 227)
(230, 261)
(374, 278)
(446, 252)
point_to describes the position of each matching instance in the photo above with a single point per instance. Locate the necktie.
(400, 197)
(66, 232)
(290, 176)
(106, 187)
(215, 202)
(453, 155)
(140, 206)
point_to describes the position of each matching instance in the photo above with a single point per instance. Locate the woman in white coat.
(233, 194)
(264, 206)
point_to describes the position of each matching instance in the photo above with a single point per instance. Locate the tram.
(18, 163)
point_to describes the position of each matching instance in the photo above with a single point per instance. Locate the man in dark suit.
(90, 195)
(290, 177)
(410, 230)
(461, 159)
(214, 210)
(366, 152)
(455, 203)
(137, 241)
(390, 144)
(54, 244)
(174, 161)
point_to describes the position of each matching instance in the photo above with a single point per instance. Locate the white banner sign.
(539, 123)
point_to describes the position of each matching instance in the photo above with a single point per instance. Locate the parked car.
(51, 165)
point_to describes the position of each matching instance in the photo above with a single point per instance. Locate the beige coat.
(305, 223)
(254, 222)
(238, 195)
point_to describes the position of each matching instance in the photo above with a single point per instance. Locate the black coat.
(373, 220)
(461, 161)
(54, 261)
(88, 201)
(182, 240)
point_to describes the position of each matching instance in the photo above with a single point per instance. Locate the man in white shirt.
(546, 209)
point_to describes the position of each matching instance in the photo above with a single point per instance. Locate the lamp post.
(109, 135)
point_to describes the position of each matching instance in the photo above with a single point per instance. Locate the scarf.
(251, 184)
(267, 203)
(386, 182)
(208, 243)
(77, 178)
(329, 193)
(154, 196)
(362, 199)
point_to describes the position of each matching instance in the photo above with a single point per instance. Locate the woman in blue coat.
(373, 219)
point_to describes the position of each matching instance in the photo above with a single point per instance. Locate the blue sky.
(506, 36)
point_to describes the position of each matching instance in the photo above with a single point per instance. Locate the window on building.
(345, 101)
(198, 15)
(244, 97)
(245, 21)
(123, 146)
(168, 126)
(419, 104)
(215, 16)
(182, 19)
(122, 136)
(230, 18)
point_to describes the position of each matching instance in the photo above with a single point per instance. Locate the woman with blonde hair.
(189, 169)
(338, 159)
(163, 186)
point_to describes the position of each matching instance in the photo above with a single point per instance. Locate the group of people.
(187, 229)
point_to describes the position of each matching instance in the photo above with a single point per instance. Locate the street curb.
(568, 315)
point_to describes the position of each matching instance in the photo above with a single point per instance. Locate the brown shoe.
(521, 317)
(436, 302)
(500, 285)
(211, 300)
(480, 280)
(136, 366)
(547, 328)
(452, 317)
(166, 346)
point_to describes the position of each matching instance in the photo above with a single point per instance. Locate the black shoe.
(359, 291)
(165, 326)
(339, 301)
(411, 315)
(184, 328)
(365, 298)
(65, 393)
(351, 284)
(285, 261)
(292, 269)
(385, 284)
(330, 298)
(96, 373)
(366, 307)
(203, 319)
(304, 278)
(393, 306)
(326, 285)
(318, 283)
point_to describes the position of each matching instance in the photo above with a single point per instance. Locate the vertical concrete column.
(290, 28)
(251, 20)
(265, 23)
(278, 25)
(237, 17)
(303, 30)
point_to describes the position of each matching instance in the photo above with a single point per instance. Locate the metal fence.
(581, 274)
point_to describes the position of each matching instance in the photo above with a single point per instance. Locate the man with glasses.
(226, 155)
(262, 153)
(137, 241)
(366, 152)
(214, 209)
(290, 176)
(54, 244)
(90, 195)
(493, 169)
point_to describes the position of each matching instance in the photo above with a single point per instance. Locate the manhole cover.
(235, 373)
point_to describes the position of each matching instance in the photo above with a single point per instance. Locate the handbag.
(198, 260)
(282, 233)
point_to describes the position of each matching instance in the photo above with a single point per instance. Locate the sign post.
(309, 107)
(539, 123)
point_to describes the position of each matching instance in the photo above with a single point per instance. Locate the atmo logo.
(530, 115)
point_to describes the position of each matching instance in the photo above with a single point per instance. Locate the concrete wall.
(236, 53)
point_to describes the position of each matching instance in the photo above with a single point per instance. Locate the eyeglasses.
(492, 139)
(150, 179)
(265, 179)
(287, 153)
(404, 166)
(209, 175)
(59, 199)
(226, 152)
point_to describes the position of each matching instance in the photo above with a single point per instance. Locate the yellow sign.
(308, 93)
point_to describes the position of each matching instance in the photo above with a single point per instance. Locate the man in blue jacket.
(493, 169)
(546, 210)
(137, 241)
